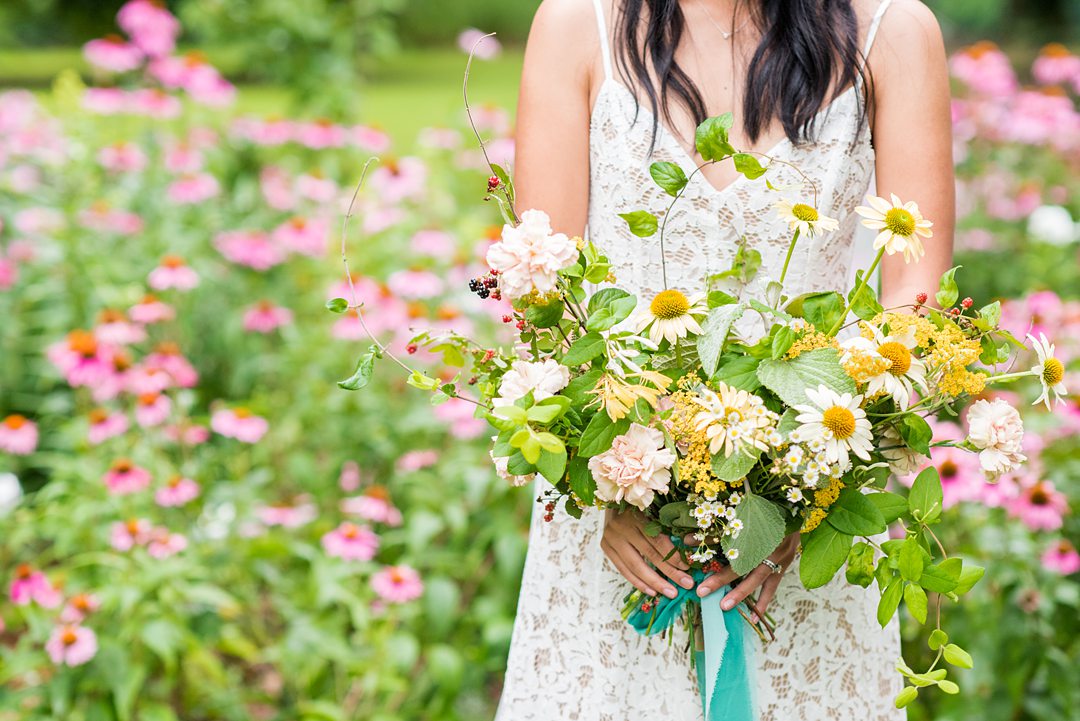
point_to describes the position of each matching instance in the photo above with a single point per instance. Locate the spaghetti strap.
(874, 24)
(605, 48)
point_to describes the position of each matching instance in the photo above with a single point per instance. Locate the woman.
(840, 88)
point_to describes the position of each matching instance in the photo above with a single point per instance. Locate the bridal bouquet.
(739, 415)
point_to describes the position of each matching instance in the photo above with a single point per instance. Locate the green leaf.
(925, 497)
(714, 333)
(669, 176)
(825, 550)
(578, 389)
(890, 601)
(735, 466)
(916, 433)
(717, 298)
(642, 223)
(958, 656)
(597, 272)
(337, 305)
(584, 349)
(916, 601)
(609, 307)
(365, 367)
(763, 530)
(748, 165)
(824, 310)
(677, 515)
(738, 371)
(581, 480)
(600, 434)
(545, 315)
(948, 293)
(911, 560)
(854, 514)
(989, 316)
(891, 505)
(949, 687)
(782, 342)
(711, 137)
(865, 305)
(530, 448)
(789, 379)
(968, 578)
(942, 577)
(860, 564)
(938, 638)
(552, 465)
(905, 697)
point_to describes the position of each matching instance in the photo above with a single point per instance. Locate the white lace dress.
(572, 657)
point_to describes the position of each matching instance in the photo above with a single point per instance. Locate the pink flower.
(351, 542)
(529, 255)
(105, 101)
(374, 505)
(370, 139)
(9, 272)
(123, 536)
(151, 310)
(314, 186)
(459, 415)
(39, 221)
(122, 157)
(182, 157)
(239, 423)
(1039, 506)
(105, 425)
(82, 359)
(32, 586)
(102, 218)
(168, 358)
(253, 249)
(270, 132)
(474, 41)
(634, 469)
(287, 516)
(1061, 558)
(417, 460)
(434, 243)
(163, 544)
(276, 188)
(172, 273)
(115, 329)
(398, 180)
(321, 134)
(1056, 66)
(349, 479)
(143, 379)
(125, 477)
(18, 435)
(153, 103)
(152, 409)
(71, 645)
(985, 69)
(415, 284)
(177, 492)
(307, 236)
(79, 607)
(397, 584)
(995, 428)
(439, 139)
(151, 27)
(193, 189)
(112, 54)
(265, 317)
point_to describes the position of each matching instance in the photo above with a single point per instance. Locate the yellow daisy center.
(1053, 371)
(898, 355)
(669, 304)
(840, 421)
(804, 212)
(900, 222)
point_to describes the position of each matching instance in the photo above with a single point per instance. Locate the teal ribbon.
(723, 667)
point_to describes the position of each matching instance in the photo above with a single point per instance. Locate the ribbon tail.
(726, 686)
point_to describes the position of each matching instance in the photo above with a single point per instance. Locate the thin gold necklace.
(725, 34)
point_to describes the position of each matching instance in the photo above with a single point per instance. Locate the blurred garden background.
(197, 523)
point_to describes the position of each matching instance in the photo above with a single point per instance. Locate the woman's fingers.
(622, 568)
(666, 548)
(768, 592)
(749, 584)
(716, 581)
(649, 551)
(693, 541)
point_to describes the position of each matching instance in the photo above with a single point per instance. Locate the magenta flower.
(265, 317)
(82, 359)
(351, 542)
(397, 584)
(474, 41)
(187, 434)
(32, 586)
(417, 460)
(144, 379)
(1039, 506)
(112, 54)
(79, 607)
(151, 310)
(177, 492)
(985, 69)
(104, 219)
(105, 425)
(114, 328)
(287, 516)
(151, 27)
(415, 284)
(163, 544)
(349, 479)
(168, 359)
(321, 134)
(9, 272)
(122, 157)
(154, 103)
(1056, 66)
(397, 181)
(123, 536)
(124, 477)
(370, 139)
(270, 132)
(1061, 558)
(183, 157)
(374, 505)
(193, 189)
(105, 101)
(18, 435)
(458, 414)
(277, 188)
(307, 236)
(39, 221)
(71, 645)
(434, 243)
(253, 249)
(172, 273)
(317, 187)
(152, 409)
(239, 423)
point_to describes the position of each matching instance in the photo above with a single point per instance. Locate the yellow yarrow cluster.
(946, 350)
(862, 366)
(811, 340)
(695, 467)
(813, 520)
(823, 498)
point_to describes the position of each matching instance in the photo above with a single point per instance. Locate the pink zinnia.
(417, 460)
(32, 586)
(193, 189)
(173, 273)
(239, 423)
(1061, 558)
(177, 492)
(307, 236)
(122, 157)
(152, 409)
(151, 310)
(1039, 506)
(397, 584)
(265, 317)
(125, 477)
(168, 358)
(79, 607)
(164, 544)
(125, 535)
(153, 28)
(287, 516)
(71, 645)
(113, 54)
(351, 542)
(374, 505)
(18, 435)
(105, 425)
(253, 249)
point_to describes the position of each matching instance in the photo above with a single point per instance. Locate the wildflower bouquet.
(737, 418)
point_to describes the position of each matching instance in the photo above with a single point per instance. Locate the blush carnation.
(543, 379)
(529, 256)
(634, 469)
(997, 431)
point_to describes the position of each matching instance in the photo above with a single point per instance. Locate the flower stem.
(790, 251)
(858, 290)
(1008, 377)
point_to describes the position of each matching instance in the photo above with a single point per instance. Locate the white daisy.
(732, 418)
(703, 555)
(732, 554)
(794, 495)
(901, 370)
(1050, 370)
(805, 218)
(900, 226)
(839, 422)
(671, 316)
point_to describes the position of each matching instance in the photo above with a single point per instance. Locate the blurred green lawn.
(414, 89)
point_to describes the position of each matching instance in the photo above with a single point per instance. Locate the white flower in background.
(1050, 370)
(10, 493)
(836, 420)
(1052, 224)
(899, 226)
(805, 218)
(902, 370)
(733, 418)
(996, 430)
(634, 469)
(503, 473)
(671, 316)
(901, 459)
(529, 256)
(543, 379)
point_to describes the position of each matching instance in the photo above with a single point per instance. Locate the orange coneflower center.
(899, 356)
(1053, 371)
(984, 47)
(111, 315)
(396, 576)
(133, 526)
(123, 465)
(447, 312)
(265, 306)
(948, 469)
(149, 298)
(15, 422)
(24, 571)
(175, 481)
(172, 261)
(492, 232)
(1055, 50)
(380, 492)
(69, 637)
(167, 348)
(900, 222)
(1065, 547)
(81, 601)
(242, 412)
(82, 342)
(148, 399)
(98, 415)
(1039, 496)
(416, 310)
(840, 421)
(298, 222)
(121, 361)
(194, 58)
(350, 531)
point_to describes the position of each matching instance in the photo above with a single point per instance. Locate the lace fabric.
(572, 657)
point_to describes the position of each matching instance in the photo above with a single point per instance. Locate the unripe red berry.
(508, 319)
(494, 183)
(967, 302)
(921, 298)
(411, 348)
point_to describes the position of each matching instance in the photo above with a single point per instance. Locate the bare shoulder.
(564, 34)
(910, 34)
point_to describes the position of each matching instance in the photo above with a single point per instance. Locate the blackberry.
(483, 293)
(474, 285)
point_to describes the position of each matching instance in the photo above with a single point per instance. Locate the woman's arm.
(912, 127)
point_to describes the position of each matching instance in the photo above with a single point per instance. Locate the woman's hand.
(626, 545)
(764, 577)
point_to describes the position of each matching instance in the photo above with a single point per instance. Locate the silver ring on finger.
(776, 567)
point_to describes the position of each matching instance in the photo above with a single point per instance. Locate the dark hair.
(808, 54)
